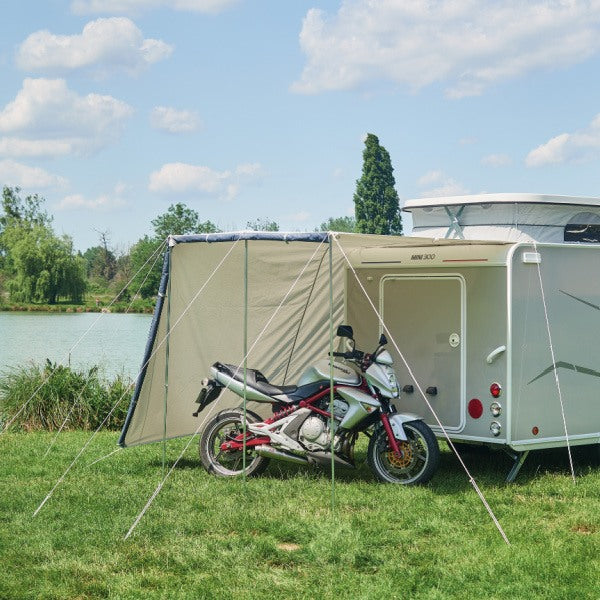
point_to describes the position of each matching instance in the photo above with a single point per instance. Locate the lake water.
(115, 342)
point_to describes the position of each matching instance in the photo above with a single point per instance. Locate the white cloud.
(439, 184)
(429, 178)
(175, 121)
(496, 160)
(17, 174)
(83, 7)
(103, 46)
(299, 217)
(466, 45)
(48, 119)
(102, 203)
(568, 147)
(182, 178)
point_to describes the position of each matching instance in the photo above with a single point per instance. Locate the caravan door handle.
(491, 357)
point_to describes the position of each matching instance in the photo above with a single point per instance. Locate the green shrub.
(53, 392)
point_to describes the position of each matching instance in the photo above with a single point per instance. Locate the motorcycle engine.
(314, 433)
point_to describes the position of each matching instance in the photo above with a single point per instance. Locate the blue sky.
(114, 109)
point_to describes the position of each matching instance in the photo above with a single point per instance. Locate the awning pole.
(331, 392)
(245, 344)
(168, 343)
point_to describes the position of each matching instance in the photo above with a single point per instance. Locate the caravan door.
(426, 317)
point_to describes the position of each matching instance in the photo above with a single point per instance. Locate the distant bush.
(53, 392)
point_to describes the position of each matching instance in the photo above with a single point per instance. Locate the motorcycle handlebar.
(353, 354)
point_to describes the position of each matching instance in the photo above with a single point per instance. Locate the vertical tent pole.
(245, 350)
(331, 393)
(168, 342)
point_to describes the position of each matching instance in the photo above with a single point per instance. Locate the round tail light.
(495, 390)
(475, 408)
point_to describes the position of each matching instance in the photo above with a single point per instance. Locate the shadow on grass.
(488, 467)
(491, 467)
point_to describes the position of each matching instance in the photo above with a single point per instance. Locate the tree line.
(38, 266)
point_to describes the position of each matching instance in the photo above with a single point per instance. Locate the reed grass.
(53, 395)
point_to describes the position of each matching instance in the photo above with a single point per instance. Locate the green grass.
(277, 537)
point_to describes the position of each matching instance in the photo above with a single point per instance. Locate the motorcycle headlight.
(393, 383)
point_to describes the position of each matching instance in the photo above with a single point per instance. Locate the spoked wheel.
(418, 460)
(224, 427)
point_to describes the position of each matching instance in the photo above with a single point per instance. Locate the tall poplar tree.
(376, 202)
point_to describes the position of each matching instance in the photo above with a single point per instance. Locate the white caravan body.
(475, 323)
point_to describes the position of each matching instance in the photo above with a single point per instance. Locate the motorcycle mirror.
(345, 331)
(382, 340)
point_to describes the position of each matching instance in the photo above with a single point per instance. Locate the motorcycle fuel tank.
(320, 370)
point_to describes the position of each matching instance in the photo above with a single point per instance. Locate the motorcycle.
(402, 448)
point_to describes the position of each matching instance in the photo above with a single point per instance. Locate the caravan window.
(583, 227)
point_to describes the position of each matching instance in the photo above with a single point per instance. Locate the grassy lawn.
(277, 537)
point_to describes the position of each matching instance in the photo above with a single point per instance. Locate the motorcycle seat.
(255, 379)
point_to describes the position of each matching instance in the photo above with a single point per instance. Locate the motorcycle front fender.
(397, 421)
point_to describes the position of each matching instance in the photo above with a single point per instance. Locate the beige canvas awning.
(288, 315)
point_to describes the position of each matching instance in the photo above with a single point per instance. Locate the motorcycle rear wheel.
(419, 460)
(228, 425)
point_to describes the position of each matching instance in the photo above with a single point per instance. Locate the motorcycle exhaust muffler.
(269, 452)
(324, 458)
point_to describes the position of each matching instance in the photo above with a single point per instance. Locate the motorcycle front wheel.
(419, 459)
(228, 425)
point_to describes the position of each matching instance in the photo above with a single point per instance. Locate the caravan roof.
(508, 218)
(512, 198)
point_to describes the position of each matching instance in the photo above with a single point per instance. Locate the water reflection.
(115, 342)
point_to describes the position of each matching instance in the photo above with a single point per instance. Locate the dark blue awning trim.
(316, 236)
(162, 292)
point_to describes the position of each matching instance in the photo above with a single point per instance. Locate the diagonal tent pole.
(301, 320)
(80, 395)
(422, 393)
(147, 361)
(554, 366)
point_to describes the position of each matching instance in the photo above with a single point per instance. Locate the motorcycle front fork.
(385, 420)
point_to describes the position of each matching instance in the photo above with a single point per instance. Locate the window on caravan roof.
(583, 227)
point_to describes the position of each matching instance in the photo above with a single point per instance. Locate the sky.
(114, 109)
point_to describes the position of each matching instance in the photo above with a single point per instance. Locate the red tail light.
(495, 390)
(475, 408)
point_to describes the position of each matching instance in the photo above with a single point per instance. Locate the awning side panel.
(207, 318)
